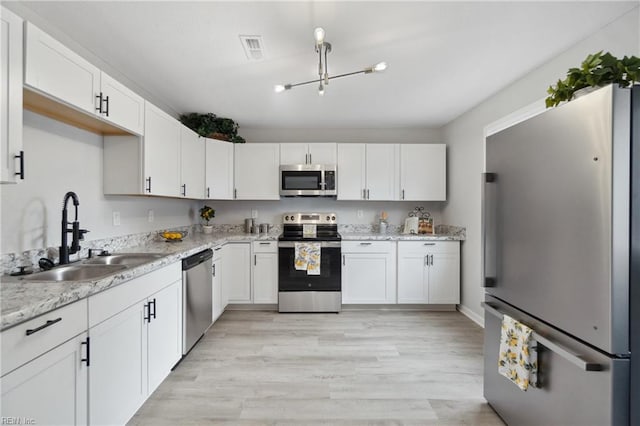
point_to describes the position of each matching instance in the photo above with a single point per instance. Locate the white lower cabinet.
(265, 271)
(429, 272)
(136, 338)
(218, 299)
(236, 275)
(51, 389)
(368, 272)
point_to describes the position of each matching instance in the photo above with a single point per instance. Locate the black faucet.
(78, 234)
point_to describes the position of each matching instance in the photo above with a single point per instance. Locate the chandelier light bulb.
(321, 90)
(318, 33)
(380, 66)
(278, 88)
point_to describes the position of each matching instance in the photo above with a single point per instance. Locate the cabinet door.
(294, 153)
(118, 372)
(351, 171)
(161, 152)
(413, 279)
(423, 172)
(265, 278)
(123, 107)
(56, 70)
(51, 389)
(368, 278)
(10, 95)
(164, 334)
(256, 171)
(218, 169)
(218, 305)
(444, 278)
(323, 153)
(192, 161)
(382, 171)
(237, 272)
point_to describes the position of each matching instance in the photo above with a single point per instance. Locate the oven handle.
(323, 244)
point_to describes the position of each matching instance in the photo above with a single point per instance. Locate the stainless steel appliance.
(197, 297)
(561, 253)
(299, 291)
(308, 180)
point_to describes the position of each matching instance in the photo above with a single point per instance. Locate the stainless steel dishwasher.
(197, 297)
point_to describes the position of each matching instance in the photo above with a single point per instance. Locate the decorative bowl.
(173, 236)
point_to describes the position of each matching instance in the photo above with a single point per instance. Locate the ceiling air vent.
(253, 47)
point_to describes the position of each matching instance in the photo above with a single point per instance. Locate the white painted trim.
(478, 319)
(518, 116)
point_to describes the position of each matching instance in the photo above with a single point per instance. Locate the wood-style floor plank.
(354, 368)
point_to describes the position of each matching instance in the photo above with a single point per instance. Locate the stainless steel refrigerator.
(561, 253)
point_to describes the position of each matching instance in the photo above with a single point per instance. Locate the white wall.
(368, 135)
(465, 140)
(61, 158)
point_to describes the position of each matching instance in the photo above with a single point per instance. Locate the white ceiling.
(444, 57)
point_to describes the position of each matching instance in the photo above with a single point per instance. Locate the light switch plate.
(254, 214)
(360, 214)
(151, 216)
(116, 218)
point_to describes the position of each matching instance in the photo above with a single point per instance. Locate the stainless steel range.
(310, 268)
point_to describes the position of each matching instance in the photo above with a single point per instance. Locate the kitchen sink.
(79, 272)
(126, 259)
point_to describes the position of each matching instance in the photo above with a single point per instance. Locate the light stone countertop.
(21, 301)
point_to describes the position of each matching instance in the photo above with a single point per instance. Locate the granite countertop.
(21, 301)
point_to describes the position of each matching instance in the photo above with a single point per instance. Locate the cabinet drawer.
(367, 246)
(64, 323)
(112, 301)
(265, 246)
(430, 246)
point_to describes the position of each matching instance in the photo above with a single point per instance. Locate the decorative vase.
(207, 229)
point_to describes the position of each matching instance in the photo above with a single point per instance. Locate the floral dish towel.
(518, 361)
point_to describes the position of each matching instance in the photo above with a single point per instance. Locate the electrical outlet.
(151, 216)
(254, 214)
(116, 218)
(360, 214)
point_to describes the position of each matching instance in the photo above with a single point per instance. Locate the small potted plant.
(207, 213)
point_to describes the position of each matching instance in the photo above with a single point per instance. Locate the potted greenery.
(211, 126)
(207, 213)
(597, 70)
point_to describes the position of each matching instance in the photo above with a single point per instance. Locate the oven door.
(292, 280)
(301, 180)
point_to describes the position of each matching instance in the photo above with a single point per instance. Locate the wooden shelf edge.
(43, 105)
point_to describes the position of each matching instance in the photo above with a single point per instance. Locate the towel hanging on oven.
(517, 360)
(307, 257)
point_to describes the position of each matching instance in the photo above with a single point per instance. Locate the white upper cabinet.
(56, 70)
(423, 172)
(11, 76)
(192, 159)
(256, 171)
(312, 153)
(368, 172)
(351, 171)
(218, 169)
(120, 105)
(161, 153)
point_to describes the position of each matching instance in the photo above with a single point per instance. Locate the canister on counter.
(248, 225)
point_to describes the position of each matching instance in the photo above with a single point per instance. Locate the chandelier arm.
(330, 78)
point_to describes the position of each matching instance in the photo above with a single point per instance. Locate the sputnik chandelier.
(322, 49)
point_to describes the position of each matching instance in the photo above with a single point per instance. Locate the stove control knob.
(286, 218)
(333, 218)
(328, 217)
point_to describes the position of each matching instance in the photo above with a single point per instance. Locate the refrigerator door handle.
(566, 353)
(489, 230)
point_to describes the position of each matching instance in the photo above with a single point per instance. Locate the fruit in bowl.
(173, 236)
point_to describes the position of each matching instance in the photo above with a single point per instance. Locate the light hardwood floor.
(354, 368)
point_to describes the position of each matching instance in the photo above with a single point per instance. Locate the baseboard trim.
(478, 319)
(397, 307)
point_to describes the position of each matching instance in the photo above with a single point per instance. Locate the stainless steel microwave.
(308, 180)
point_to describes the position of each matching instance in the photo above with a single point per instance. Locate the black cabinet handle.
(88, 358)
(214, 269)
(106, 109)
(208, 192)
(99, 107)
(147, 312)
(148, 188)
(45, 325)
(184, 189)
(152, 314)
(21, 172)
